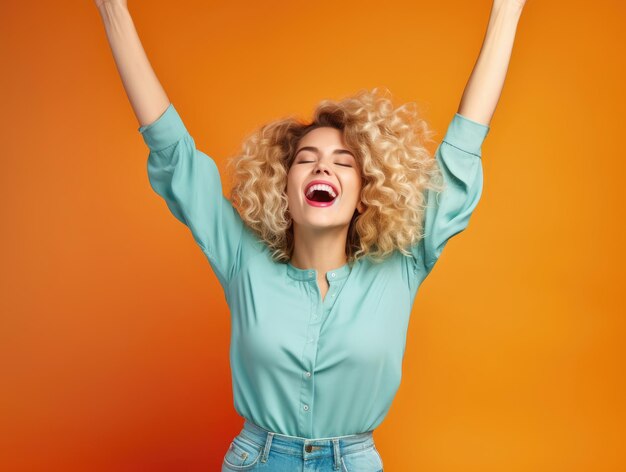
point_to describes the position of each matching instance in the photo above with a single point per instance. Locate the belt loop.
(337, 454)
(268, 444)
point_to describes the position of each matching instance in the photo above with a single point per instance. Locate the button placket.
(336, 282)
(309, 355)
(311, 334)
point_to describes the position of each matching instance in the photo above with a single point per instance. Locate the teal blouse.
(300, 365)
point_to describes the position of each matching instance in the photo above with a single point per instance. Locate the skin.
(100, 3)
(320, 233)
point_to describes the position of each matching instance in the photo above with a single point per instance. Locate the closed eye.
(344, 165)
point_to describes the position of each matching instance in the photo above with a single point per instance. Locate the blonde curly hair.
(396, 170)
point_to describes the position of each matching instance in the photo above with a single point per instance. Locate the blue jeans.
(257, 449)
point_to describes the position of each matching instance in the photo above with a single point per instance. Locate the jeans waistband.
(308, 448)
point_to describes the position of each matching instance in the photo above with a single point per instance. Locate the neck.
(319, 249)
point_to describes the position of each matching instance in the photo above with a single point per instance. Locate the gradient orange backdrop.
(114, 331)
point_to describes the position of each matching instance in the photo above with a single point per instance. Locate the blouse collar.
(311, 274)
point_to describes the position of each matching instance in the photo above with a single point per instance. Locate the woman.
(338, 222)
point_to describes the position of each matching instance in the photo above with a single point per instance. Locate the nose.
(321, 166)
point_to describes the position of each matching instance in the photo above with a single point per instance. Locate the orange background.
(114, 332)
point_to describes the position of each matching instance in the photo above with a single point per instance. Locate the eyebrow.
(317, 151)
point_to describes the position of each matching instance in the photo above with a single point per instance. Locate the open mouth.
(320, 195)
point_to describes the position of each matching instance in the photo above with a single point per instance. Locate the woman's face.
(322, 155)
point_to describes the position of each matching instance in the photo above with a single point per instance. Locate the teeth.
(325, 187)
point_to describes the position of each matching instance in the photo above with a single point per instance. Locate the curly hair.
(396, 170)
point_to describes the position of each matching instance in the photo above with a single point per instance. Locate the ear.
(360, 207)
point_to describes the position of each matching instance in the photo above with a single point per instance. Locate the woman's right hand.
(100, 3)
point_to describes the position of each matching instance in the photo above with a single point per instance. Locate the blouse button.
(306, 407)
(308, 374)
(332, 275)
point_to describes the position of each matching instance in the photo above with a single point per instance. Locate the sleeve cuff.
(164, 131)
(465, 134)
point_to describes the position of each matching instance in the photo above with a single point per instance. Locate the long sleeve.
(189, 182)
(448, 212)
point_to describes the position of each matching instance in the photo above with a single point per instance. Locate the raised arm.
(186, 178)
(485, 84)
(143, 89)
(460, 153)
